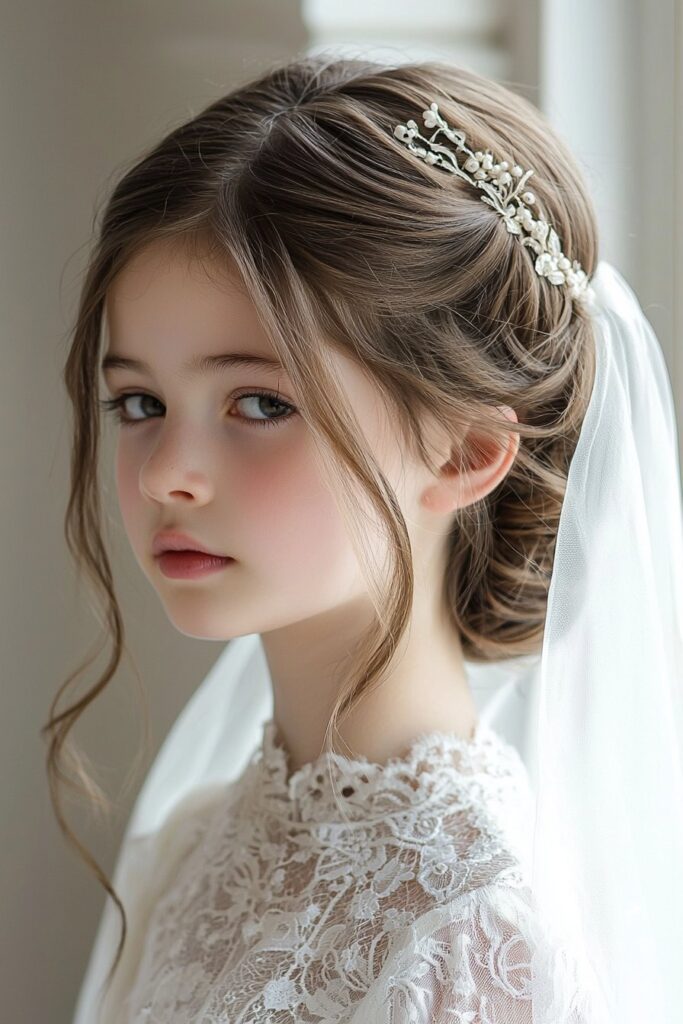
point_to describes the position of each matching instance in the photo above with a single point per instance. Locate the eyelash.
(115, 405)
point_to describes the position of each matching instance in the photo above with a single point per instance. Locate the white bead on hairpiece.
(502, 185)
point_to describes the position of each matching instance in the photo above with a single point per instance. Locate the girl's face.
(237, 472)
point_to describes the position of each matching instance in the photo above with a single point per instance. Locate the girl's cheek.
(287, 513)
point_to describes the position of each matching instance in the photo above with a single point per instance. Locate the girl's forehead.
(163, 265)
(160, 296)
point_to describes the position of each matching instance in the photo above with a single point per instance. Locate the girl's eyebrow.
(196, 364)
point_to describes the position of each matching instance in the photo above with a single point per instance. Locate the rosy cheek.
(288, 517)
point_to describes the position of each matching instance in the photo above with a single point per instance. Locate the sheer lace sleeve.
(472, 963)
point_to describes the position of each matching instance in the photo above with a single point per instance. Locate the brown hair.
(339, 232)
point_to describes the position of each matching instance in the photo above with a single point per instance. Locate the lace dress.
(410, 906)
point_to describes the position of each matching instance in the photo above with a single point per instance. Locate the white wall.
(458, 30)
(608, 82)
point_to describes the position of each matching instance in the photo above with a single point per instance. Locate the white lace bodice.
(412, 905)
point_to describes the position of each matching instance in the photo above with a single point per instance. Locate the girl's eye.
(116, 405)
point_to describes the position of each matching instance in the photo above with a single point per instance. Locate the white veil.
(597, 716)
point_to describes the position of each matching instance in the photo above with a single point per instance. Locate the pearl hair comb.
(502, 185)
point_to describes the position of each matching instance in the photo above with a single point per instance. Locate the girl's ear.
(487, 462)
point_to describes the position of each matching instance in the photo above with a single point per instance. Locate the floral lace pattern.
(357, 892)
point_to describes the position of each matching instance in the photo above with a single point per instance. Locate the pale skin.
(197, 460)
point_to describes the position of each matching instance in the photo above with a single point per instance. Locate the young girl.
(346, 399)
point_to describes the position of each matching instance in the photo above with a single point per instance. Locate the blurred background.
(84, 88)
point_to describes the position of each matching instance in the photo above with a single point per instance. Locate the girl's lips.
(174, 540)
(190, 564)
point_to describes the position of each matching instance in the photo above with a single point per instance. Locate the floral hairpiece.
(502, 185)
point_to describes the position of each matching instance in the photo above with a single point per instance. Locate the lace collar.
(438, 768)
